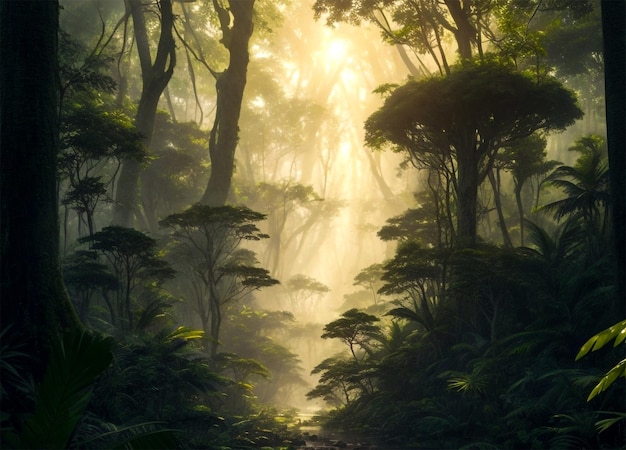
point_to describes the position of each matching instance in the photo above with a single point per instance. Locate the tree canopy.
(457, 124)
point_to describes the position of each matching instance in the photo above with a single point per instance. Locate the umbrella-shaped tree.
(458, 123)
(218, 268)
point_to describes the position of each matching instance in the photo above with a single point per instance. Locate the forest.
(312, 224)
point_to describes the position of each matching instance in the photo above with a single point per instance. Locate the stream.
(318, 438)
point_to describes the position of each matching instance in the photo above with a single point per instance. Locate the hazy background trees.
(447, 284)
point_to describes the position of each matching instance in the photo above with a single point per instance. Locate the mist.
(316, 224)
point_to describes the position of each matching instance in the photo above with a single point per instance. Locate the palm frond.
(75, 362)
(605, 424)
(597, 341)
(619, 370)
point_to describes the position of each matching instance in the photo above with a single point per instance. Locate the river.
(318, 438)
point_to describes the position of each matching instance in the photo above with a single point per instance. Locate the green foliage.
(586, 190)
(286, 195)
(300, 282)
(356, 329)
(341, 381)
(12, 360)
(94, 139)
(205, 241)
(495, 358)
(122, 243)
(607, 380)
(574, 43)
(237, 221)
(76, 360)
(526, 158)
(478, 350)
(92, 132)
(256, 334)
(81, 69)
(133, 262)
(412, 267)
(618, 333)
(480, 95)
(160, 377)
(605, 424)
(585, 184)
(178, 168)
(344, 381)
(414, 223)
(472, 113)
(148, 435)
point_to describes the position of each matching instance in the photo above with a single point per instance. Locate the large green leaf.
(75, 362)
(607, 380)
(617, 332)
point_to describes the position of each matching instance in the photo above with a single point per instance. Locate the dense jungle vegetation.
(403, 218)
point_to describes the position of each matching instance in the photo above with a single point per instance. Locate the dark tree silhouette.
(33, 297)
(219, 270)
(132, 256)
(457, 124)
(613, 25)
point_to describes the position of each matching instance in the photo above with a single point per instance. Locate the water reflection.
(315, 437)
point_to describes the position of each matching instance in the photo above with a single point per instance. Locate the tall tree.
(219, 271)
(585, 186)
(524, 160)
(230, 85)
(34, 299)
(457, 124)
(613, 25)
(155, 76)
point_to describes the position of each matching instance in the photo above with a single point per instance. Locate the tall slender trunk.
(155, 77)
(216, 321)
(230, 86)
(520, 212)
(495, 186)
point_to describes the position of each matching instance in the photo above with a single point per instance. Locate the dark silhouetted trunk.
(520, 212)
(155, 77)
(495, 186)
(34, 300)
(467, 196)
(613, 25)
(230, 87)
(465, 33)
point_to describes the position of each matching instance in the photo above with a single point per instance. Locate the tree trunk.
(216, 322)
(520, 212)
(230, 87)
(467, 196)
(33, 298)
(155, 78)
(613, 22)
(495, 186)
(465, 33)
